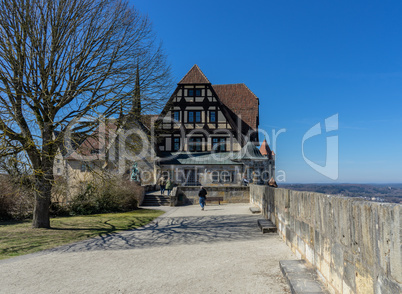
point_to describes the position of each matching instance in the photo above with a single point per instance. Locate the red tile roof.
(194, 76)
(241, 101)
(265, 150)
(94, 142)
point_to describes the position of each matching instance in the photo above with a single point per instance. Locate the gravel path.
(219, 250)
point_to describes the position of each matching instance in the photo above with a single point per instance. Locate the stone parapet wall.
(230, 194)
(355, 245)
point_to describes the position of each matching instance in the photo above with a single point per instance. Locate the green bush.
(106, 196)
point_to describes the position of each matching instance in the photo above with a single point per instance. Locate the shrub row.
(17, 201)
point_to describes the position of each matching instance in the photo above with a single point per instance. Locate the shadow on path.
(175, 231)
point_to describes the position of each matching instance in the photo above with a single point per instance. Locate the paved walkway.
(219, 250)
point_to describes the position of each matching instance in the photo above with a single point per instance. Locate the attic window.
(191, 92)
(95, 151)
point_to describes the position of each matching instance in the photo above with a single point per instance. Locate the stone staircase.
(156, 199)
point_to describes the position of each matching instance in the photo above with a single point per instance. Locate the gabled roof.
(194, 76)
(249, 152)
(241, 101)
(265, 150)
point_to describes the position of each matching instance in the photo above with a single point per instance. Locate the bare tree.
(61, 60)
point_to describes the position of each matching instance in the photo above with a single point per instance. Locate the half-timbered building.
(207, 134)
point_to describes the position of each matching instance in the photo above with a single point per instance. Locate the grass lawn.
(18, 238)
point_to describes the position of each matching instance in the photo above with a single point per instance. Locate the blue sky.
(306, 61)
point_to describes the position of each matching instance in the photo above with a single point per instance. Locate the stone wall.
(230, 194)
(355, 245)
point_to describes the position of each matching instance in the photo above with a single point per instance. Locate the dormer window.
(95, 151)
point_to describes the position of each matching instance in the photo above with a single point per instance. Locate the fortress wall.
(354, 244)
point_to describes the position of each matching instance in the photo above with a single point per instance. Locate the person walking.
(162, 184)
(169, 186)
(202, 194)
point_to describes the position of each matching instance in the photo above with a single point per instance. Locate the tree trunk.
(43, 188)
(43, 182)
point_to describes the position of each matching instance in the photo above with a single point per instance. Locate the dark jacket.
(203, 193)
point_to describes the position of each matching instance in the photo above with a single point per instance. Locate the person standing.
(162, 184)
(245, 181)
(169, 186)
(202, 194)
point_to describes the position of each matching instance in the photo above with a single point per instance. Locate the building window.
(58, 171)
(215, 176)
(226, 176)
(198, 116)
(58, 160)
(198, 92)
(83, 167)
(190, 92)
(176, 115)
(219, 144)
(176, 144)
(212, 116)
(194, 116)
(195, 144)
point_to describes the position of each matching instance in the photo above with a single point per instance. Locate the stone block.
(305, 231)
(368, 235)
(317, 242)
(310, 254)
(396, 243)
(301, 278)
(266, 226)
(386, 286)
(326, 249)
(301, 245)
(290, 235)
(325, 269)
(297, 227)
(255, 210)
(364, 281)
(337, 258)
(344, 221)
(335, 278)
(349, 276)
(346, 289)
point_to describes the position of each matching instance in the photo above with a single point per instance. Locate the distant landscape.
(373, 192)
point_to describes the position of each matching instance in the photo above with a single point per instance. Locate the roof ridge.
(195, 68)
(228, 84)
(255, 96)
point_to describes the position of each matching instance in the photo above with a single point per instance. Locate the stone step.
(156, 200)
(266, 226)
(302, 278)
(255, 210)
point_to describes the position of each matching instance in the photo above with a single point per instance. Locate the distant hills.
(373, 192)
